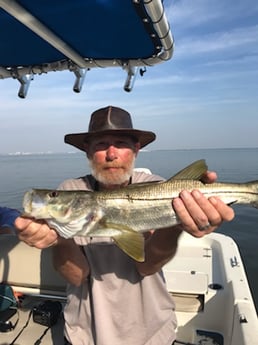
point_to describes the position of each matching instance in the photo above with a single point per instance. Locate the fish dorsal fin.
(193, 171)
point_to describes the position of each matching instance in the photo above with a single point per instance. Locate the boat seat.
(29, 270)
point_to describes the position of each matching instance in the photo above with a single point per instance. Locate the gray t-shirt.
(115, 305)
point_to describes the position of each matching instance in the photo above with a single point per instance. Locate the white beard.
(120, 177)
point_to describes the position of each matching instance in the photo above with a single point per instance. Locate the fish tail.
(253, 185)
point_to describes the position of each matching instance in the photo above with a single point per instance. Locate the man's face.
(112, 158)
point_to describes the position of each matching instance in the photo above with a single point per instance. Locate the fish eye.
(53, 194)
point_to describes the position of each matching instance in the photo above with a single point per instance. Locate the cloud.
(185, 14)
(211, 77)
(230, 40)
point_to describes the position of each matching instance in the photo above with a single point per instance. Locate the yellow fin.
(193, 171)
(132, 243)
(128, 240)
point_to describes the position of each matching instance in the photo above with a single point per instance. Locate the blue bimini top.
(37, 37)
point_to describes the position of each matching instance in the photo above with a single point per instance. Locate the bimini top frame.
(48, 35)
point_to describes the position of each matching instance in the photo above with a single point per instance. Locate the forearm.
(70, 262)
(68, 258)
(160, 248)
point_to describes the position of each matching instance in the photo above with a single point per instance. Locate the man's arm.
(68, 258)
(194, 211)
(70, 261)
(160, 247)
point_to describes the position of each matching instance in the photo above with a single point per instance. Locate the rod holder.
(131, 76)
(80, 74)
(25, 84)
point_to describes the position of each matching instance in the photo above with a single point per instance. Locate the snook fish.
(125, 213)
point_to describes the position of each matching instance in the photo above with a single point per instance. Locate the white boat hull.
(206, 278)
(214, 302)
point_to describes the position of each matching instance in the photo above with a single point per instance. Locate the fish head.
(50, 204)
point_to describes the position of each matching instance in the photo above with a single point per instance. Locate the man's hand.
(199, 215)
(68, 258)
(35, 233)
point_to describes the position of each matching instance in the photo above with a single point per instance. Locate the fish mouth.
(27, 202)
(32, 203)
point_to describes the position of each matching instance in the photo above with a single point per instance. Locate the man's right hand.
(35, 233)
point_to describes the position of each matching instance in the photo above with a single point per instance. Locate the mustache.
(107, 165)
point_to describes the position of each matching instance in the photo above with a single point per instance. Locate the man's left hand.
(199, 215)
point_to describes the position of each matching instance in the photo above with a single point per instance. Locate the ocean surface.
(18, 173)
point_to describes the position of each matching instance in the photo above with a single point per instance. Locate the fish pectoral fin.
(128, 240)
(132, 243)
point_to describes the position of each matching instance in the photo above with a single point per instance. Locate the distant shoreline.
(142, 151)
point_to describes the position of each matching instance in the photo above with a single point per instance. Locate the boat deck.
(29, 271)
(209, 284)
(206, 278)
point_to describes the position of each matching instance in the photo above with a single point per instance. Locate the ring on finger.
(205, 227)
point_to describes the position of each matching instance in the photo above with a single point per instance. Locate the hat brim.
(78, 139)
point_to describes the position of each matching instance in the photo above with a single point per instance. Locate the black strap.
(66, 342)
(93, 182)
(23, 328)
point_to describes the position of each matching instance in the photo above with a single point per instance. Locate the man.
(113, 299)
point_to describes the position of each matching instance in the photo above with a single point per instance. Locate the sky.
(206, 96)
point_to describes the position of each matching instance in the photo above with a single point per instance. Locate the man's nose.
(111, 153)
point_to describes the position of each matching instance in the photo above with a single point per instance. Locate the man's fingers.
(199, 215)
(35, 233)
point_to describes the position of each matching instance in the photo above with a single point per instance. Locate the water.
(20, 173)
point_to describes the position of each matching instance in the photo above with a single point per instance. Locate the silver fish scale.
(143, 207)
(139, 214)
(171, 189)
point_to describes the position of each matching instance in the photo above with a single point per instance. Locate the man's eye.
(101, 146)
(121, 143)
(104, 145)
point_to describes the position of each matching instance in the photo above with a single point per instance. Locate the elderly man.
(112, 299)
